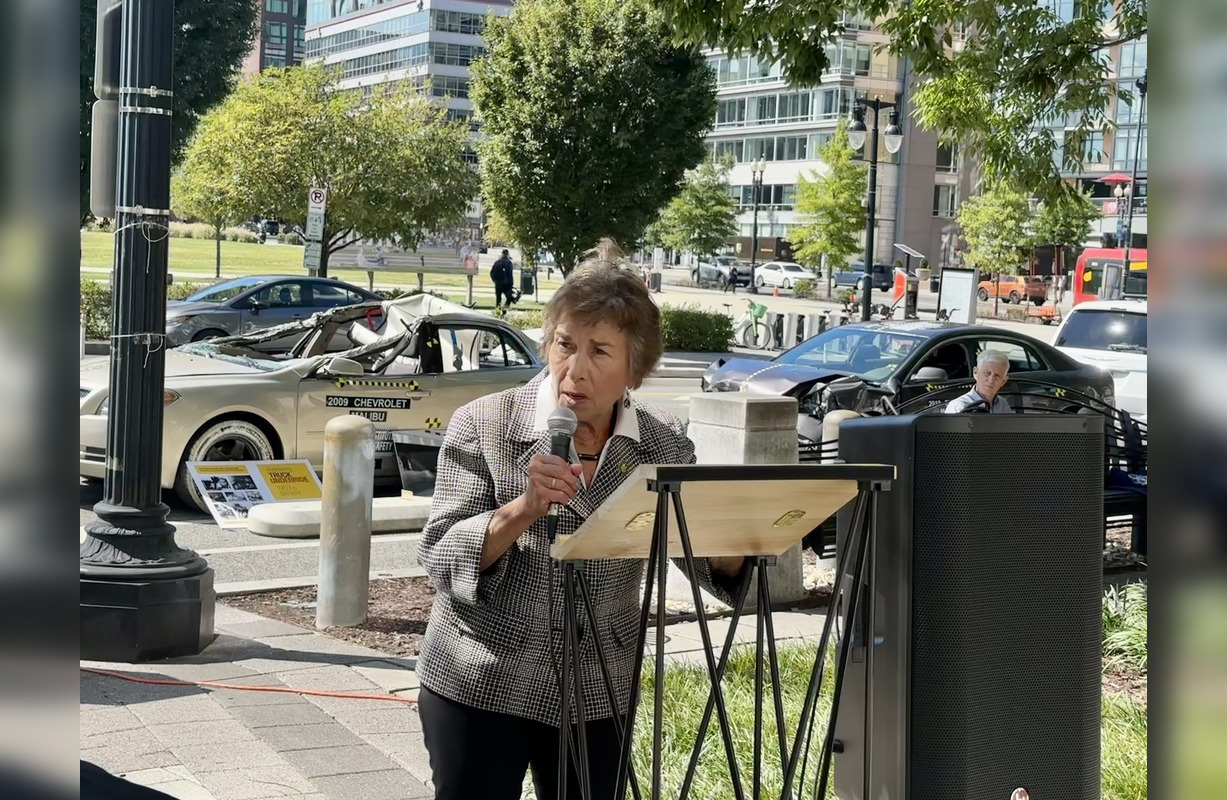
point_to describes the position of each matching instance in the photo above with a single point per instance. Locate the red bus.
(1099, 275)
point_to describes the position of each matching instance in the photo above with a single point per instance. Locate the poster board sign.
(231, 488)
(957, 294)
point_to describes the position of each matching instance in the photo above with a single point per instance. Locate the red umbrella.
(1116, 177)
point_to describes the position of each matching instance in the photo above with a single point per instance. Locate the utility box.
(417, 458)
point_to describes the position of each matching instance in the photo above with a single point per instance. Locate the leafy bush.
(693, 329)
(290, 238)
(526, 319)
(240, 235)
(180, 291)
(843, 295)
(1124, 627)
(96, 308)
(803, 289)
(95, 224)
(192, 230)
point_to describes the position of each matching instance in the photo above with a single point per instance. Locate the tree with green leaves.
(590, 116)
(703, 215)
(199, 191)
(992, 73)
(1066, 223)
(997, 226)
(392, 164)
(831, 207)
(212, 37)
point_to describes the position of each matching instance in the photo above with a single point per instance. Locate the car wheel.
(759, 282)
(787, 285)
(1039, 301)
(983, 295)
(227, 440)
(205, 335)
(1015, 298)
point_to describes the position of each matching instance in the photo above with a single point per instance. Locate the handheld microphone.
(561, 424)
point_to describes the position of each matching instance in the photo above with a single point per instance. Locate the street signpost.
(313, 251)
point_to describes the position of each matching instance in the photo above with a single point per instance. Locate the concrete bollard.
(734, 428)
(815, 324)
(830, 432)
(792, 330)
(345, 522)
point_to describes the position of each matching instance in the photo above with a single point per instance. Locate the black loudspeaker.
(975, 665)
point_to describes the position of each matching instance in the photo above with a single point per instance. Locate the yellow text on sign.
(290, 482)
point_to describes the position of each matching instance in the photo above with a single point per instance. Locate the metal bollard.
(345, 522)
(815, 324)
(792, 323)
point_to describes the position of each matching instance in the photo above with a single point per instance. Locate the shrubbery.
(692, 329)
(201, 230)
(96, 304)
(803, 289)
(289, 237)
(526, 319)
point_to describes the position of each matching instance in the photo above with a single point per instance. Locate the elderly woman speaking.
(489, 701)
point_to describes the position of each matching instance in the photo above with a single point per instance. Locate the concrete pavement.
(210, 743)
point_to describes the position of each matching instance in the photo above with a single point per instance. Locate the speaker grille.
(1007, 586)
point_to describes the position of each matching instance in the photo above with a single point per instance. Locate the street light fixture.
(756, 186)
(857, 135)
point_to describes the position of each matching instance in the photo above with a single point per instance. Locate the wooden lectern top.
(730, 510)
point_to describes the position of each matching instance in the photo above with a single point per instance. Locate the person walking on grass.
(504, 279)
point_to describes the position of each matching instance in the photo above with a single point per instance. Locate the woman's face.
(591, 368)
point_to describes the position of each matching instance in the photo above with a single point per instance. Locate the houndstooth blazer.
(487, 644)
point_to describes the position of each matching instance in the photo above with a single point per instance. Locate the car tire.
(1039, 301)
(1015, 298)
(983, 295)
(242, 440)
(759, 282)
(787, 285)
(209, 333)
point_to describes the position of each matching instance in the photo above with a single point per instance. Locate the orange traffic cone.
(776, 293)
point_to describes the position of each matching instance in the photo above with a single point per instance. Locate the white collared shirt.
(626, 425)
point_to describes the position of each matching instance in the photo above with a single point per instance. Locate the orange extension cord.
(285, 689)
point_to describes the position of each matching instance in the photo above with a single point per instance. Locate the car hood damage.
(766, 377)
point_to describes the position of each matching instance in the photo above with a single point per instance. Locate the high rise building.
(761, 116)
(283, 24)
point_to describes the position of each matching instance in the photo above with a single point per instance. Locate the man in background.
(991, 372)
(502, 274)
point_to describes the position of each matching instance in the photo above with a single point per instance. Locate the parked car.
(875, 367)
(230, 399)
(242, 305)
(781, 274)
(883, 276)
(1111, 335)
(716, 270)
(1013, 288)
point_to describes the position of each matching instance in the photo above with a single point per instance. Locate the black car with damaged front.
(878, 368)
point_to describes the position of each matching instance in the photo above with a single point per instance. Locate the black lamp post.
(756, 188)
(1133, 183)
(894, 140)
(142, 596)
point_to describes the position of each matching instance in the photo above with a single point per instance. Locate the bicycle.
(751, 330)
(943, 314)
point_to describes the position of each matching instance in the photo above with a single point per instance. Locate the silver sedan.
(243, 305)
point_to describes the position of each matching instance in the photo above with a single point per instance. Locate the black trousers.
(481, 755)
(502, 290)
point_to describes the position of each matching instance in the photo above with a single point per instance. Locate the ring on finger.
(553, 483)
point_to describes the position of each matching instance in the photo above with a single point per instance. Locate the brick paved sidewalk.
(196, 743)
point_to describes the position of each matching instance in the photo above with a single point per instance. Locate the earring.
(626, 399)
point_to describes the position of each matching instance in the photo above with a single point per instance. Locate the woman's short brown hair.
(603, 289)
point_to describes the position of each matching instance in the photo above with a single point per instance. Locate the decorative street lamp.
(894, 140)
(756, 186)
(1137, 153)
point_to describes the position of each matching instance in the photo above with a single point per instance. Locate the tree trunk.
(217, 237)
(324, 253)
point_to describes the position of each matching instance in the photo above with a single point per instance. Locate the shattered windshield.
(243, 356)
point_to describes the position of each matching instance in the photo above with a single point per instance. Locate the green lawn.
(193, 261)
(1123, 764)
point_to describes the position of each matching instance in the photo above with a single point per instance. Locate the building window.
(947, 157)
(299, 32)
(1124, 145)
(457, 55)
(1128, 112)
(277, 6)
(791, 148)
(269, 60)
(449, 86)
(274, 34)
(458, 22)
(300, 9)
(1133, 58)
(793, 107)
(387, 30)
(742, 70)
(731, 113)
(735, 148)
(945, 201)
(1093, 149)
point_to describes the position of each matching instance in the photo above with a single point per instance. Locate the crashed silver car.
(403, 364)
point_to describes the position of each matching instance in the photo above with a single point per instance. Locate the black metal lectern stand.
(772, 498)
